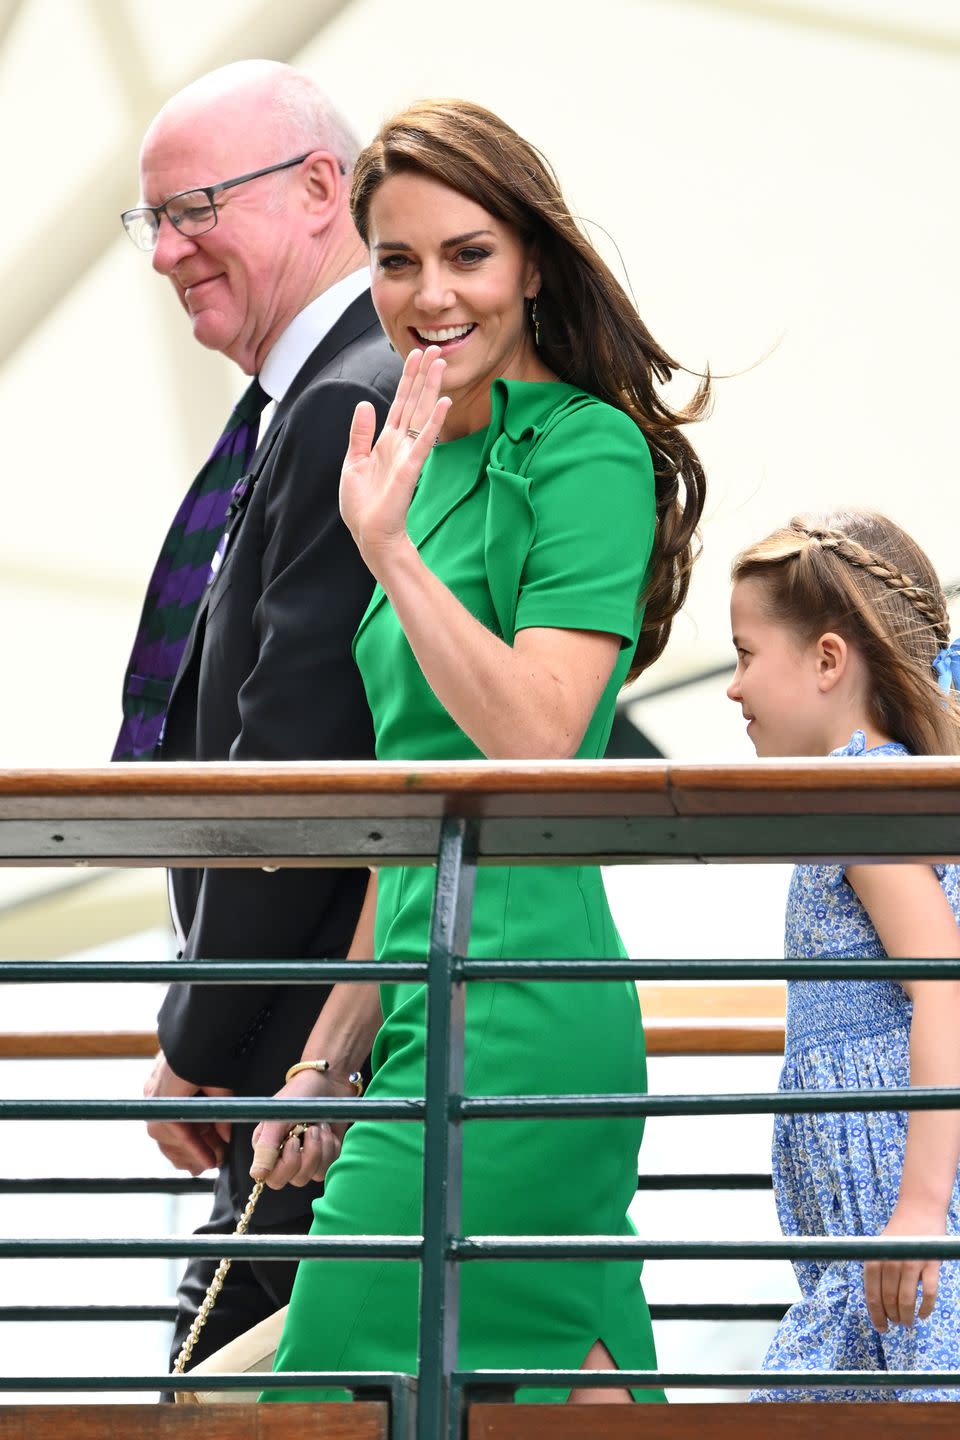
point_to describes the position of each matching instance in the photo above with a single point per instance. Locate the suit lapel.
(358, 318)
(355, 322)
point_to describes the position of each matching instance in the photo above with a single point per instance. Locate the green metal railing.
(467, 831)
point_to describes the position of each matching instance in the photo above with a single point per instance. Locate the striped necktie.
(179, 579)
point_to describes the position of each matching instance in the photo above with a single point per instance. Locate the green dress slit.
(546, 518)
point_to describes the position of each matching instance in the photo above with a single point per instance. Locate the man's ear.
(323, 182)
(832, 659)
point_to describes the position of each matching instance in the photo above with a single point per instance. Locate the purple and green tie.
(179, 579)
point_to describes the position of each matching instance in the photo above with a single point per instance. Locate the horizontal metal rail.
(166, 1312)
(372, 1384)
(183, 1185)
(512, 1380)
(729, 1180)
(326, 1107)
(200, 1185)
(776, 1102)
(369, 1384)
(308, 972)
(609, 1247)
(485, 1247)
(237, 1247)
(106, 1185)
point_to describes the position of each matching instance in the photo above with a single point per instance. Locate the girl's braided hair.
(857, 573)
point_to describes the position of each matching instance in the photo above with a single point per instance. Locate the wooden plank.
(292, 788)
(693, 1000)
(78, 1045)
(717, 1037)
(664, 1037)
(922, 785)
(367, 1420)
(710, 1422)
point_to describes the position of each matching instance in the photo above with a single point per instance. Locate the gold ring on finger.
(413, 434)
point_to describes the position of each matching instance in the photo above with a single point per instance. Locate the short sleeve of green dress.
(590, 498)
(545, 519)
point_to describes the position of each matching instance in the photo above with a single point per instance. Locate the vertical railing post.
(443, 1132)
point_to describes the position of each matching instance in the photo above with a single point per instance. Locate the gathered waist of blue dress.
(831, 1011)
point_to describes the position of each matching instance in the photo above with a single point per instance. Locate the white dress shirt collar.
(306, 330)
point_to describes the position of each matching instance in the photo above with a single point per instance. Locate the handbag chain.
(220, 1274)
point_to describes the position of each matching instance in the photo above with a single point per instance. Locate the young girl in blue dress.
(843, 648)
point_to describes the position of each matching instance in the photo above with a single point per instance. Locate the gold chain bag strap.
(250, 1353)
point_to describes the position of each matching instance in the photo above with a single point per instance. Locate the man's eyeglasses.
(192, 212)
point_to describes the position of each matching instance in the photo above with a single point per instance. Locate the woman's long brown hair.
(590, 333)
(857, 573)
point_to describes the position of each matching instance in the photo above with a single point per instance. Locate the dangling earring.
(535, 319)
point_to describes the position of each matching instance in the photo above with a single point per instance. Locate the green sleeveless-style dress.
(544, 519)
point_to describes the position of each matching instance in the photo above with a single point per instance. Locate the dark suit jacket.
(267, 674)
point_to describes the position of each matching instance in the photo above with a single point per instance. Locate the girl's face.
(779, 681)
(446, 272)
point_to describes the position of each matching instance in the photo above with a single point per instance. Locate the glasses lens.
(192, 213)
(141, 226)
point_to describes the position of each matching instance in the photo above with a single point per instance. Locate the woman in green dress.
(529, 513)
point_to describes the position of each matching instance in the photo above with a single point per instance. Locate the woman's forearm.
(933, 1136)
(348, 1023)
(512, 704)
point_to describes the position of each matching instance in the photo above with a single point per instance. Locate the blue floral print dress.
(840, 1174)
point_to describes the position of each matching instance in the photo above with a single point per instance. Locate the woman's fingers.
(429, 431)
(395, 414)
(267, 1139)
(362, 430)
(319, 1149)
(426, 389)
(287, 1166)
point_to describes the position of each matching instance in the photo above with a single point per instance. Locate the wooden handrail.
(364, 1420)
(708, 1422)
(383, 813)
(922, 784)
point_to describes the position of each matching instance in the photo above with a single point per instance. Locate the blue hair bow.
(947, 666)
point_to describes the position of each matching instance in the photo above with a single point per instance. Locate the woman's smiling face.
(446, 272)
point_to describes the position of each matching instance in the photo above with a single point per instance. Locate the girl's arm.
(532, 699)
(343, 1035)
(913, 918)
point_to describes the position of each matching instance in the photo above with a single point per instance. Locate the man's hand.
(193, 1146)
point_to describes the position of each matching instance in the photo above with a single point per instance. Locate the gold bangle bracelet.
(322, 1067)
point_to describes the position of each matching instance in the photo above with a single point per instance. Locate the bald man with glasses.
(243, 651)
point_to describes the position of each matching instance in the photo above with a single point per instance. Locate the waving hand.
(377, 481)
